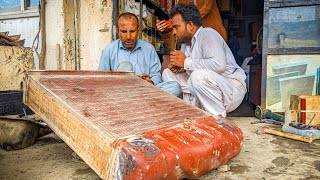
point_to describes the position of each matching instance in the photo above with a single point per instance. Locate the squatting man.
(204, 67)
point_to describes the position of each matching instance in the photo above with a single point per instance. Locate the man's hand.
(177, 58)
(146, 77)
(174, 69)
(163, 26)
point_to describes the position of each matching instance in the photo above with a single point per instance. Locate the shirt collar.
(138, 45)
(194, 38)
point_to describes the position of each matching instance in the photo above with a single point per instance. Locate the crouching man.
(204, 66)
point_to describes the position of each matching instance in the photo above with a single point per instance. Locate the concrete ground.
(262, 157)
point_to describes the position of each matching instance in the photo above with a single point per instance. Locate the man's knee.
(171, 87)
(200, 78)
(167, 75)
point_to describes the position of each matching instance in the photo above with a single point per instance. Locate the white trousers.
(208, 90)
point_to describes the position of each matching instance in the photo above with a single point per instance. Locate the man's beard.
(131, 45)
(186, 38)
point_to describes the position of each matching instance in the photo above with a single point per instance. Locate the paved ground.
(262, 157)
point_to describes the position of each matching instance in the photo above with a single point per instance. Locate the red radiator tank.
(186, 150)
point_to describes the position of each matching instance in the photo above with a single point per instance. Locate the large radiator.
(126, 128)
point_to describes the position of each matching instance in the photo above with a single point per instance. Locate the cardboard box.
(304, 108)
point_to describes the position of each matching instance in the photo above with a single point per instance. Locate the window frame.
(22, 12)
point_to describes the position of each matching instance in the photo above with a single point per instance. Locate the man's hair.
(189, 12)
(127, 15)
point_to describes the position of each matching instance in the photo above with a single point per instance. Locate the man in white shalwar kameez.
(204, 67)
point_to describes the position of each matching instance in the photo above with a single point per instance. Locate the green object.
(267, 114)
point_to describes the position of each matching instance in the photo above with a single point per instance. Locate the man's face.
(180, 31)
(128, 32)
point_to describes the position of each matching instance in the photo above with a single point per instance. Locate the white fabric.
(208, 90)
(246, 68)
(245, 65)
(209, 51)
(212, 76)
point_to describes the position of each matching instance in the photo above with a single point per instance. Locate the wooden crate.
(126, 128)
(304, 108)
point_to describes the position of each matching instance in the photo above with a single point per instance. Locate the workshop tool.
(126, 128)
(267, 114)
(268, 121)
(300, 126)
(266, 129)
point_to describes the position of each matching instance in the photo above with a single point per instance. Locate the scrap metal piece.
(268, 121)
(126, 128)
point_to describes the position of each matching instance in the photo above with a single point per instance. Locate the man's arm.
(163, 26)
(155, 67)
(105, 60)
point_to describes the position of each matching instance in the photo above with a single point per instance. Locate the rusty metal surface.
(121, 104)
(126, 128)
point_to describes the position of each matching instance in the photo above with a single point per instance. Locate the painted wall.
(81, 30)
(14, 62)
(76, 32)
(54, 32)
(95, 31)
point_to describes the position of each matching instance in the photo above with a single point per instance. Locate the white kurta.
(212, 79)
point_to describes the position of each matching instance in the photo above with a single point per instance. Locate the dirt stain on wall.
(14, 63)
